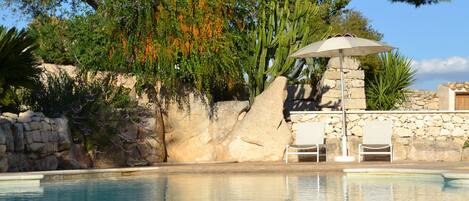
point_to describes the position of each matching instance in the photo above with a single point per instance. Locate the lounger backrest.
(377, 132)
(310, 133)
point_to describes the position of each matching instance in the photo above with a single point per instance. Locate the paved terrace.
(254, 167)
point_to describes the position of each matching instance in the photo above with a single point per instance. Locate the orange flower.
(201, 4)
(184, 28)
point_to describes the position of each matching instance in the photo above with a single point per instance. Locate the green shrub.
(18, 66)
(80, 40)
(53, 38)
(91, 42)
(387, 88)
(466, 144)
(96, 110)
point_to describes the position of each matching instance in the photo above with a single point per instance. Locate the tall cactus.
(283, 26)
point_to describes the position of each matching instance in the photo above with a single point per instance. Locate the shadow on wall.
(304, 97)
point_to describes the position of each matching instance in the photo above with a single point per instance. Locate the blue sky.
(9, 18)
(436, 37)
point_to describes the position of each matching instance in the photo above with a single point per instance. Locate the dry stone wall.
(418, 136)
(330, 90)
(420, 100)
(30, 141)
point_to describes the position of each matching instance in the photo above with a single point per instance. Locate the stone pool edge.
(450, 177)
(231, 167)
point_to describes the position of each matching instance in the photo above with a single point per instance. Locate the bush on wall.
(96, 109)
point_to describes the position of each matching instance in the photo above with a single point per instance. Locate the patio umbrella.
(342, 46)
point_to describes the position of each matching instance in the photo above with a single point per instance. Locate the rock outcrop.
(194, 132)
(136, 144)
(229, 132)
(263, 133)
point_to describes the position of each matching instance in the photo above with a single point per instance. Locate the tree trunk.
(159, 128)
(94, 4)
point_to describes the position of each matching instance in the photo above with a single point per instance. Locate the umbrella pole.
(342, 103)
(344, 157)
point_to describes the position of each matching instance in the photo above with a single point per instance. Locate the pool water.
(230, 187)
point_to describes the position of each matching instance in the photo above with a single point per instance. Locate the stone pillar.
(354, 85)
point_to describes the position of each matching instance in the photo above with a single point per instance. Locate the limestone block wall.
(31, 141)
(417, 135)
(301, 97)
(354, 85)
(420, 100)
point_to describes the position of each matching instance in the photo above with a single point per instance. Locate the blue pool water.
(230, 187)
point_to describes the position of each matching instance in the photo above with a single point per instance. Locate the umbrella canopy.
(350, 46)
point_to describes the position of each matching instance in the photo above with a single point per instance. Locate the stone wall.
(417, 135)
(301, 97)
(136, 143)
(420, 100)
(354, 85)
(30, 141)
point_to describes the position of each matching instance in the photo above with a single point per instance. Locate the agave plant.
(18, 66)
(387, 88)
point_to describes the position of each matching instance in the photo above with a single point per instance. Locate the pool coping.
(394, 171)
(450, 174)
(450, 177)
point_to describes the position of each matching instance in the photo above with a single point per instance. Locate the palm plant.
(388, 87)
(18, 66)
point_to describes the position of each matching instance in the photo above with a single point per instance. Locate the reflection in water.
(19, 188)
(232, 187)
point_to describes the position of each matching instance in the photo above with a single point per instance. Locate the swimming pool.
(247, 186)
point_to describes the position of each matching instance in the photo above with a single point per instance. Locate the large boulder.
(263, 133)
(150, 147)
(110, 157)
(194, 129)
(79, 154)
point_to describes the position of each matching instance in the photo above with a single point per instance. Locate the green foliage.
(281, 28)
(80, 40)
(91, 42)
(466, 144)
(53, 38)
(96, 109)
(177, 42)
(208, 45)
(388, 87)
(18, 66)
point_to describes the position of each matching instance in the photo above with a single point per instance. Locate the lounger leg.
(359, 152)
(317, 153)
(325, 152)
(392, 153)
(286, 154)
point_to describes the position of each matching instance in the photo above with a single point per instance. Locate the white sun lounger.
(376, 136)
(309, 136)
